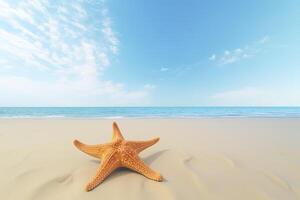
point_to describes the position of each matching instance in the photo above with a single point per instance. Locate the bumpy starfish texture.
(118, 153)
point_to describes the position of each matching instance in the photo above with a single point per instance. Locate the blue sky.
(149, 53)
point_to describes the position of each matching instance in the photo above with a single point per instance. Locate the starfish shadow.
(153, 157)
(150, 159)
(95, 161)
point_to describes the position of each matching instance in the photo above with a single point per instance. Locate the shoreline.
(149, 118)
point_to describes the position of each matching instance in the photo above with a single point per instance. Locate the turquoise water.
(146, 112)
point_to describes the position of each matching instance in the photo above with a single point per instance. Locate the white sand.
(199, 158)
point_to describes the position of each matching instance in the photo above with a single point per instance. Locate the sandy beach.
(224, 158)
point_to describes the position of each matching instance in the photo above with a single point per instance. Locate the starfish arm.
(116, 132)
(107, 166)
(136, 164)
(139, 146)
(93, 150)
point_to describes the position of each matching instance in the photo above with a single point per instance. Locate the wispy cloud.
(108, 32)
(238, 54)
(212, 57)
(264, 39)
(164, 69)
(247, 95)
(256, 96)
(149, 86)
(19, 91)
(55, 48)
(235, 55)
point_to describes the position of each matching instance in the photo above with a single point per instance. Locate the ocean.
(147, 112)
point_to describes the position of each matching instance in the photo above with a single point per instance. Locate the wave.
(150, 112)
(31, 116)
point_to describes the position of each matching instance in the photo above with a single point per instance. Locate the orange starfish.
(118, 153)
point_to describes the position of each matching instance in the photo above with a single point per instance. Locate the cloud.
(52, 56)
(19, 91)
(238, 54)
(256, 96)
(164, 69)
(212, 57)
(248, 95)
(82, 13)
(149, 86)
(108, 32)
(234, 56)
(264, 39)
(20, 12)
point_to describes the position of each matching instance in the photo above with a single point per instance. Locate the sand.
(199, 158)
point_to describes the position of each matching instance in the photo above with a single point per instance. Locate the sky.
(149, 53)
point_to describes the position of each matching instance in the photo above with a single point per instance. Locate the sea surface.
(147, 112)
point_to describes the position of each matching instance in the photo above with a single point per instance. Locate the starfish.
(118, 153)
